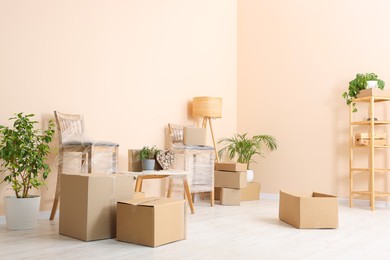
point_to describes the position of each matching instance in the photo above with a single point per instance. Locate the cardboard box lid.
(230, 166)
(151, 201)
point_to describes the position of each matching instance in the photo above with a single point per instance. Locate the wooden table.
(162, 174)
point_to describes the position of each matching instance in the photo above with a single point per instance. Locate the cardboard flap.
(323, 195)
(151, 202)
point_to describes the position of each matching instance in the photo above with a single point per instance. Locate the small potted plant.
(148, 157)
(361, 81)
(23, 152)
(244, 148)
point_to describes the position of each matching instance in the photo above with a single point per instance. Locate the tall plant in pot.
(23, 152)
(243, 148)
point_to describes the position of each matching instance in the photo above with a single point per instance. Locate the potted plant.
(23, 151)
(244, 148)
(148, 157)
(361, 81)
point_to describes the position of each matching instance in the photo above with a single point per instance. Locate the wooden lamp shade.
(207, 107)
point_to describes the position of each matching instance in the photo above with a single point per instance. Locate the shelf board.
(381, 122)
(368, 98)
(367, 146)
(376, 193)
(368, 169)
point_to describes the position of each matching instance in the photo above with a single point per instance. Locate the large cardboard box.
(194, 136)
(151, 221)
(88, 204)
(234, 180)
(230, 166)
(251, 192)
(315, 211)
(230, 197)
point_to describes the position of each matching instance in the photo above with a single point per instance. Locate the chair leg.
(212, 197)
(58, 185)
(89, 154)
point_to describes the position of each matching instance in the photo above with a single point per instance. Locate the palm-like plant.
(244, 148)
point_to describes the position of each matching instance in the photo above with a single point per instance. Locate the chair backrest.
(70, 127)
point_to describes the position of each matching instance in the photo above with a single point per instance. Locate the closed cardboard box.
(314, 211)
(88, 204)
(194, 136)
(377, 92)
(151, 221)
(230, 197)
(234, 180)
(251, 192)
(230, 166)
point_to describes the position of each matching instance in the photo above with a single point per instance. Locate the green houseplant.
(359, 83)
(244, 148)
(148, 155)
(23, 152)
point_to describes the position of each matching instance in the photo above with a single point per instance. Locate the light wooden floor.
(251, 231)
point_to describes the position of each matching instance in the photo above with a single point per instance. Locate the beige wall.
(295, 58)
(129, 67)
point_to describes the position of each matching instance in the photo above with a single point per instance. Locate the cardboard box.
(194, 136)
(230, 197)
(251, 192)
(234, 180)
(151, 221)
(139, 195)
(230, 166)
(376, 92)
(315, 211)
(88, 204)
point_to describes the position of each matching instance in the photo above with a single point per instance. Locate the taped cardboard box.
(250, 192)
(194, 136)
(315, 211)
(233, 180)
(88, 204)
(151, 221)
(230, 166)
(230, 197)
(376, 92)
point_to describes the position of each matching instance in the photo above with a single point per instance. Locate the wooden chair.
(71, 136)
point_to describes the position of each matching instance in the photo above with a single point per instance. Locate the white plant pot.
(372, 83)
(249, 175)
(21, 213)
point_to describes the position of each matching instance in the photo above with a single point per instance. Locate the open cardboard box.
(313, 211)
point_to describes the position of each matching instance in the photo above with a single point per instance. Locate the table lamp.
(208, 108)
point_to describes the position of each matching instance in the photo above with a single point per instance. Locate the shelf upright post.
(371, 160)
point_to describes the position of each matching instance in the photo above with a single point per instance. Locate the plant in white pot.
(244, 148)
(147, 155)
(23, 152)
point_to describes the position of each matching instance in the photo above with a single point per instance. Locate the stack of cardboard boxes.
(231, 186)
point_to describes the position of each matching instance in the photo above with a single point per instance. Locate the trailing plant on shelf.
(23, 151)
(359, 83)
(244, 148)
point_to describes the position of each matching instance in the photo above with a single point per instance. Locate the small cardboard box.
(234, 180)
(88, 204)
(376, 92)
(317, 211)
(230, 166)
(194, 136)
(367, 142)
(230, 197)
(367, 136)
(151, 221)
(251, 192)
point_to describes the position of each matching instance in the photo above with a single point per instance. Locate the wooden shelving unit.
(371, 170)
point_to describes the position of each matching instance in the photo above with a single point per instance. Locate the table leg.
(138, 184)
(188, 193)
(170, 184)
